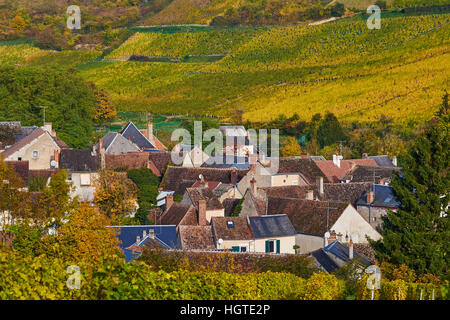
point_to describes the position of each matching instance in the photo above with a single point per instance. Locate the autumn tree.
(14, 201)
(18, 23)
(291, 148)
(54, 203)
(85, 236)
(115, 194)
(105, 110)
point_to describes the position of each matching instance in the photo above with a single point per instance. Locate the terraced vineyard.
(359, 74)
(180, 45)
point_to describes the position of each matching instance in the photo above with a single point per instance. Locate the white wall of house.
(308, 243)
(289, 179)
(354, 225)
(83, 183)
(286, 244)
(38, 152)
(228, 244)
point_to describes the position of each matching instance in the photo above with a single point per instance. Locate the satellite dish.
(220, 241)
(53, 163)
(327, 234)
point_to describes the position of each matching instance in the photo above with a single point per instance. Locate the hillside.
(343, 67)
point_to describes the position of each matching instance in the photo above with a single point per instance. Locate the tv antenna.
(43, 107)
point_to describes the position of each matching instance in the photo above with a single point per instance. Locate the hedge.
(45, 278)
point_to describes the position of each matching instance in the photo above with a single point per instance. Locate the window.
(35, 154)
(273, 246)
(243, 249)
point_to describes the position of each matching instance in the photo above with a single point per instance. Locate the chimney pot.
(394, 161)
(254, 186)
(138, 239)
(150, 131)
(151, 233)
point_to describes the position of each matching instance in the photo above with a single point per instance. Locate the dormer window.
(35, 154)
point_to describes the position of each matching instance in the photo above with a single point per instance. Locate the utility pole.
(43, 107)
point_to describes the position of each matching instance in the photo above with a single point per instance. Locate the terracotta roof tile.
(175, 214)
(204, 193)
(196, 237)
(179, 178)
(160, 159)
(307, 216)
(335, 174)
(306, 167)
(128, 161)
(240, 230)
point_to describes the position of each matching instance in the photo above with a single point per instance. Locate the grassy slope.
(400, 70)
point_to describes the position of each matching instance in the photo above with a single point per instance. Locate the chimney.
(169, 201)
(309, 195)
(253, 185)
(138, 239)
(320, 186)
(233, 176)
(332, 237)
(202, 182)
(48, 127)
(394, 161)
(150, 131)
(56, 156)
(364, 156)
(370, 196)
(350, 250)
(336, 160)
(151, 233)
(202, 213)
(252, 160)
(144, 234)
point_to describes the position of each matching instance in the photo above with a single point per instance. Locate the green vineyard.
(359, 74)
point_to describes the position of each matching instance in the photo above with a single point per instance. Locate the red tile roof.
(196, 237)
(239, 231)
(308, 216)
(335, 174)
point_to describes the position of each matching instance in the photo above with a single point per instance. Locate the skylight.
(230, 224)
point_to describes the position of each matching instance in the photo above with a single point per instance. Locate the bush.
(323, 286)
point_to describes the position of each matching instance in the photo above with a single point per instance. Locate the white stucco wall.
(286, 244)
(308, 243)
(352, 223)
(85, 193)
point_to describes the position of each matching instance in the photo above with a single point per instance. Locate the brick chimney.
(150, 131)
(169, 201)
(202, 213)
(253, 186)
(233, 176)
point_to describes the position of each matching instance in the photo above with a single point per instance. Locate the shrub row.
(46, 278)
